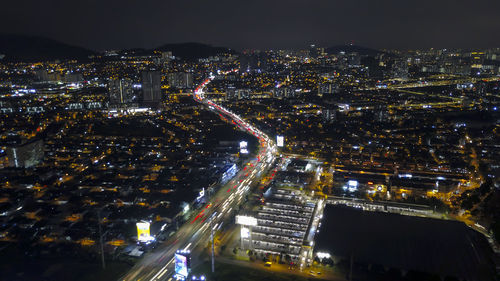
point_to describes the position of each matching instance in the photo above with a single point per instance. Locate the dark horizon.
(340, 44)
(279, 24)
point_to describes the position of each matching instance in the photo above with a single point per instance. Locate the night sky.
(262, 24)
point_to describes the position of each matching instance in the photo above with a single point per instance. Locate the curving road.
(159, 264)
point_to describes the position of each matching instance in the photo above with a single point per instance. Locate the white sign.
(243, 147)
(280, 141)
(243, 144)
(323, 255)
(201, 194)
(246, 220)
(352, 185)
(245, 232)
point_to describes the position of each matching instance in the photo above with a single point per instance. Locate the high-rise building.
(315, 52)
(166, 56)
(26, 154)
(382, 115)
(41, 74)
(283, 92)
(400, 69)
(151, 88)
(121, 92)
(181, 80)
(329, 115)
(231, 93)
(73, 77)
(44, 76)
(255, 62)
(243, 93)
(327, 88)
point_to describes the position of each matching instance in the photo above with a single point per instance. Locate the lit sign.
(323, 255)
(409, 176)
(181, 266)
(229, 173)
(201, 194)
(243, 147)
(143, 231)
(280, 141)
(243, 144)
(352, 183)
(245, 232)
(246, 220)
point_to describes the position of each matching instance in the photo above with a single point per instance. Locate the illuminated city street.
(159, 264)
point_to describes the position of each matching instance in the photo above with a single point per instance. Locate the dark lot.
(446, 248)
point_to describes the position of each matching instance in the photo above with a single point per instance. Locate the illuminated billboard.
(280, 141)
(181, 265)
(243, 147)
(229, 173)
(352, 185)
(201, 195)
(246, 220)
(243, 144)
(143, 234)
(245, 232)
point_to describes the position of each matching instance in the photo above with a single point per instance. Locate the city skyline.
(280, 140)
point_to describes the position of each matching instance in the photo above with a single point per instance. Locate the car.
(268, 264)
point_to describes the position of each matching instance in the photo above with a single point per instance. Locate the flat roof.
(447, 248)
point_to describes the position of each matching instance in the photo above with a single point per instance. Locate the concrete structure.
(285, 225)
(26, 154)
(182, 80)
(151, 88)
(120, 91)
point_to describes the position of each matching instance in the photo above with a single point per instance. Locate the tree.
(485, 187)
(495, 227)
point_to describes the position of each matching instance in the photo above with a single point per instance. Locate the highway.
(159, 264)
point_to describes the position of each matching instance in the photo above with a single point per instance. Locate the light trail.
(193, 231)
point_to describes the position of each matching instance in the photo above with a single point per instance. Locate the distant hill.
(190, 51)
(35, 48)
(351, 49)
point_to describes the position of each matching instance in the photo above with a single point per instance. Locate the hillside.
(35, 48)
